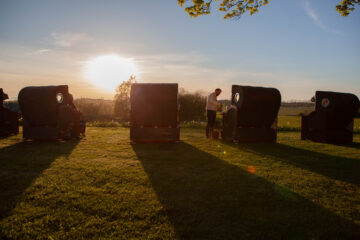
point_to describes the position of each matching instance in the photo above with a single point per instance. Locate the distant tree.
(122, 100)
(236, 8)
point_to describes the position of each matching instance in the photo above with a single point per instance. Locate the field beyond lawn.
(101, 187)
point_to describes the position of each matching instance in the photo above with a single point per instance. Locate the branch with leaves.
(233, 8)
(347, 6)
(236, 8)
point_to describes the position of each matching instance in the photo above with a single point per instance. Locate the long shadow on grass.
(21, 164)
(205, 197)
(336, 167)
(350, 145)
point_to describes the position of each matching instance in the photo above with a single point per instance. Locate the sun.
(109, 71)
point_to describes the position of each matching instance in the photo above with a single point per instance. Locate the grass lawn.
(101, 187)
(285, 123)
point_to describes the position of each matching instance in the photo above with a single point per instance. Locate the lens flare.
(251, 169)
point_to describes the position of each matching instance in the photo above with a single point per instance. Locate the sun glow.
(109, 71)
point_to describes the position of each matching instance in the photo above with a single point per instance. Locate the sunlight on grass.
(103, 187)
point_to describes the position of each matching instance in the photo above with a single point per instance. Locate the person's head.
(217, 91)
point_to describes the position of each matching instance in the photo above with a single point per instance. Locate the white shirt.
(212, 103)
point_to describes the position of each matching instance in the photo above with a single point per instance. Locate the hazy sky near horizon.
(297, 46)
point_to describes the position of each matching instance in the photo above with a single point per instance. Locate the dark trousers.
(211, 116)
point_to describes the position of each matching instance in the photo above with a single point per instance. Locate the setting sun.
(109, 71)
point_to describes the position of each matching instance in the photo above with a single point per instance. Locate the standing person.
(212, 105)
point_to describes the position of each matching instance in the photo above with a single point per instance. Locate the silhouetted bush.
(12, 105)
(192, 106)
(95, 109)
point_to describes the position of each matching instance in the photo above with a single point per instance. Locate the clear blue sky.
(298, 46)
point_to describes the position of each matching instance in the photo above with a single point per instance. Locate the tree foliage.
(233, 8)
(347, 6)
(122, 100)
(95, 109)
(236, 8)
(192, 106)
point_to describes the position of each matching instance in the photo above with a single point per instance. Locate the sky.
(297, 46)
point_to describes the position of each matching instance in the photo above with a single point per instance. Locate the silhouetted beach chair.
(154, 112)
(9, 120)
(252, 117)
(49, 113)
(333, 118)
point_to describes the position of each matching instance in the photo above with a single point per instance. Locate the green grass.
(285, 123)
(101, 187)
(296, 110)
(293, 123)
(289, 123)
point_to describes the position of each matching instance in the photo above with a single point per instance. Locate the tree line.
(192, 105)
